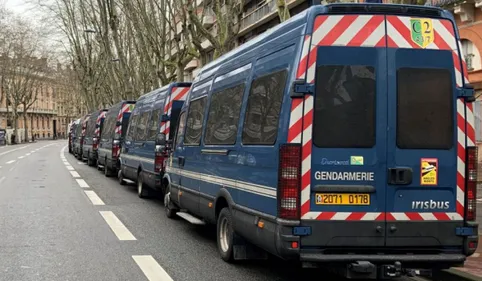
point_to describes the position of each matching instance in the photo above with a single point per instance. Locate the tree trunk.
(25, 126)
(15, 125)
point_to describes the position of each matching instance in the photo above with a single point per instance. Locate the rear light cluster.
(289, 181)
(115, 148)
(471, 183)
(160, 155)
(95, 143)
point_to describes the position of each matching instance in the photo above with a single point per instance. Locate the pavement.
(63, 220)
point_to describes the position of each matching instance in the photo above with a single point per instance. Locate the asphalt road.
(63, 220)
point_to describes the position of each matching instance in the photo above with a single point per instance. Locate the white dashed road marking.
(20, 157)
(70, 168)
(12, 150)
(27, 154)
(117, 226)
(11, 161)
(94, 198)
(82, 183)
(75, 174)
(151, 269)
(1, 179)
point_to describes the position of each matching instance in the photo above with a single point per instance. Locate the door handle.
(400, 176)
(181, 161)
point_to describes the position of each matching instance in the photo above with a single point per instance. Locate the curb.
(454, 274)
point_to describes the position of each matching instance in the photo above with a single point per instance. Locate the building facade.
(50, 113)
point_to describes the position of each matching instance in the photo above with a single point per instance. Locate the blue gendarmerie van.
(341, 138)
(112, 136)
(154, 117)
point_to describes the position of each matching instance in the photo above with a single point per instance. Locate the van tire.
(120, 177)
(168, 205)
(225, 235)
(90, 161)
(142, 189)
(107, 170)
(98, 165)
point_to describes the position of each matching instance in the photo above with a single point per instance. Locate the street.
(63, 220)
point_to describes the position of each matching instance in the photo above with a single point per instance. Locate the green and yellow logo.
(356, 160)
(421, 32)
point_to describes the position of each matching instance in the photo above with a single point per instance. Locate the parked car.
(143, 155)
(92, 135)
(112, 136)
(335, 139)
(72, 132)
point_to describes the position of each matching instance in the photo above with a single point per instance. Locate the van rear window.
(425, 100)
(344, 108)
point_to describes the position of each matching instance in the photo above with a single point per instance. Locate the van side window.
(344, 106)
(195, 118)
(223, 116)
(142, 125)
(425, 106)
(264, 106)
(154, 125)
(180, 129)
(132, 128)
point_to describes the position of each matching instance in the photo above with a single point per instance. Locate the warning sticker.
(428, 171)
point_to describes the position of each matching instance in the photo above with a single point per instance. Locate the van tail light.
(160, 155)
(289, 181)
(115, 148)
(471, 203)
(95, 143)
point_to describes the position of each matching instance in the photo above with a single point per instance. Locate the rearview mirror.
(467, 92)
(165, 118)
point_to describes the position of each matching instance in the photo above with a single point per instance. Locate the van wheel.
(142, 189)
(225, 235)
(120, 177)
(168, 205)
(107, 170)
(90, 161)
(98, 165)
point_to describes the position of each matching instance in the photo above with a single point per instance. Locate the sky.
(18, 7)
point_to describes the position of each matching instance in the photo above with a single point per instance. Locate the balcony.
(194, 63)
(31, 110)
(256, 16)
(206, 44)
(208, 18)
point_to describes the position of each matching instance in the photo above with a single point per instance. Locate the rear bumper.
(440, 257)
(437, 258)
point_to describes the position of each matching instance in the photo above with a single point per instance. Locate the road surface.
(63, 220)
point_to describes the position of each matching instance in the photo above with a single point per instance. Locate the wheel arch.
(223, 199)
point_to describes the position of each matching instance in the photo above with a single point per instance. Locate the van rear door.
(344, 135)
(424, 195)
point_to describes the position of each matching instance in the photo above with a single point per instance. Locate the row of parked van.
(341, 137)
(137, 130)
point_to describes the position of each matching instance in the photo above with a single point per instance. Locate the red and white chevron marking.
(177, 94)
(84, 126)
(369, 31)
(126, 108)
(97, 123)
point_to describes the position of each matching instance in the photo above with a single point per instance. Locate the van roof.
(164, 88)
(309, 14)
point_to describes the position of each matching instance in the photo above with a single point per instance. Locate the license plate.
(342, 199)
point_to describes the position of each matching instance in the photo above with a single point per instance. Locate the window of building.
(223, 116)
(264, 106)
(195, 119)
(471, 55)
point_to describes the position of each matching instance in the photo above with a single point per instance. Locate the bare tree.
(283, 10)
(227, 22)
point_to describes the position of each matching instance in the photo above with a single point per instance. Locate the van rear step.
(190, 218)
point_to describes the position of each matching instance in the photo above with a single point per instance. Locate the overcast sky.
(18, 6)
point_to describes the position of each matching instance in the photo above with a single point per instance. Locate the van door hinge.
(301, 88)
(464, 231)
